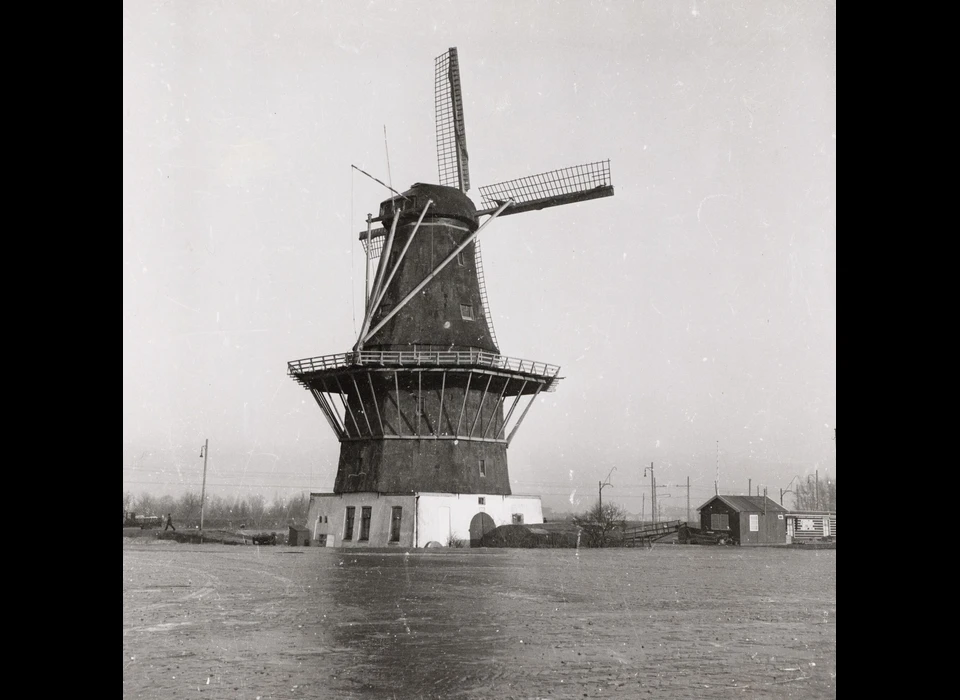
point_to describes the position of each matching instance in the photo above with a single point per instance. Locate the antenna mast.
(716, 483)
(387, 149)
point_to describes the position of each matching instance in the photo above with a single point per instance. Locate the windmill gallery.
(424, 405)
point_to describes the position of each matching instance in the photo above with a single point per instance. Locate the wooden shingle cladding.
(750, 520)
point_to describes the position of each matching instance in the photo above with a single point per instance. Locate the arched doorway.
(480, 525)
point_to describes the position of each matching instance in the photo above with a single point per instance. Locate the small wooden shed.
(748, 520)
(298, 537)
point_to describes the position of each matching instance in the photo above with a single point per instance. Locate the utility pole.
(688, 499)
(203, 487)
(816, 488)
(787, 490)
(605, 482)
(749, 487)
(653, 493)
(656, 501)
(716, 483)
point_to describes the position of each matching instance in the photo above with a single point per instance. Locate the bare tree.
(166, 504)
(256, 507)
(188, 507)
(602, 525)
(810, 494)
(145, 504)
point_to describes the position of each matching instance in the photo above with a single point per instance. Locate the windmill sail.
(550, 189)
(451, 133)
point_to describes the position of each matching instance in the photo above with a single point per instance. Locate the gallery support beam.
(360, 402)
(524, 414)
(376, 406)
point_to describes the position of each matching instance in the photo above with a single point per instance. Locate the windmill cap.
(447, 202)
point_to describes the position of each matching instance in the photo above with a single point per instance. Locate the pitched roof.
(752, 504)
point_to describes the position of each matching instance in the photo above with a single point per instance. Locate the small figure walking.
(169, 524)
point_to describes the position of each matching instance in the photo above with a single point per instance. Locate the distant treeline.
(815, 494)
(252, 511)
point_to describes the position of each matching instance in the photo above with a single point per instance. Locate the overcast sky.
(695, 308)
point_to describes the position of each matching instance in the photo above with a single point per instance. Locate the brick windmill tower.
(425, 406)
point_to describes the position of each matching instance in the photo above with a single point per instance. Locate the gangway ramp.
(644, 535)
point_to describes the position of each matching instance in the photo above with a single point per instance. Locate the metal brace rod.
(344, 397)
(333, 409)
(480, 407)
(464, 405)
(443, 387)
(373, 394)
(512, 407)
(396, 386)
(493, 416)
(419, 399)
(524, 414)
(360, 401)
(325, 411)
(426, 280)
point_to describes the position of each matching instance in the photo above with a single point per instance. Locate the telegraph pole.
(656, 501)
(688, 499)
(203, 487)
(716, 482)
(653, 494)
(605, 482)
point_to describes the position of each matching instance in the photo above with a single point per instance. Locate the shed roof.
(748, 504)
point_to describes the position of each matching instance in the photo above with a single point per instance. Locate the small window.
(365, 515)
(719, 521)
(461, 259)
(325, 520)
(482, 500)
(395, 519)
(466, 312)
(348, 524)
(483, 468)
(518, 518)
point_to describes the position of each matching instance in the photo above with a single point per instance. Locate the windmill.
(425, 406)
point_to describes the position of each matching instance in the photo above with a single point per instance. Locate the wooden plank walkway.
(644, 535)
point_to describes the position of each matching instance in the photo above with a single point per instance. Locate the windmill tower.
(425, 406)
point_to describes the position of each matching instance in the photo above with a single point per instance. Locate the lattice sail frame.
(452, 158)
(376, 242)
(550, 189)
